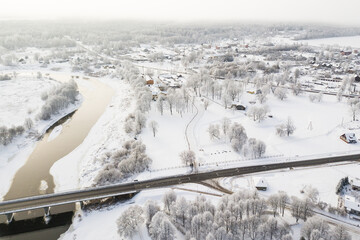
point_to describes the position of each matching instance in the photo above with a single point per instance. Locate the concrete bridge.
(47, 201)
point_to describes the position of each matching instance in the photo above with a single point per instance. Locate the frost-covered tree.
(154, 127)
(340, 233)
(225, 125)
(258, 113)
(187, 157)
(206, 104)
(28, 123)
(160, 104)
(214, 131)
(237, 136)
(315, 224)
(150, 209)
(280, 93)
(168, 199)
(129, 221)
(286, 129)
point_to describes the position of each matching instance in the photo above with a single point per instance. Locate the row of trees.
(238, 216)
(58, 99)
(8, 134)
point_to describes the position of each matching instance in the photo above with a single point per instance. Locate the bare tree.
(154, 127)
(188, 157)
(160, 104)
(225, 125)
(315, 224)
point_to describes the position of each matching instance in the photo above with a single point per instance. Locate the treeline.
(58, 99)
(121, 164)
(240, 216)
(7, 135)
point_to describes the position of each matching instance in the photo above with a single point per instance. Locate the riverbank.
(79, 168)
(14, 155)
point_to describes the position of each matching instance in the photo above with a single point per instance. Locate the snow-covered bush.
(58, 99)
(129, 160)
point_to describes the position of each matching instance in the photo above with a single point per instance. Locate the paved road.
(55, 199)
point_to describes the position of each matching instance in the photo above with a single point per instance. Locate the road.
(42, 201)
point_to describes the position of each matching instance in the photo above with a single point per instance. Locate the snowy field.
(325, 179)
(318, 128)
(353, 41)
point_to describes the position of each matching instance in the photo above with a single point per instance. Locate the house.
(149, 80)
(355, 183)
(261, 185)
(352, 205)
(348, 137)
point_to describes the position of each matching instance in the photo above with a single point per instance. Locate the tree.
(129, 221)
(225, 125)
(168, 199)
(296, 89)
(274, 200)
(340, 233)
(283, 199)
(354, 107)
(154, 127)
(296, 210)
(280, 93)
(237, 136)
(187, 157)
(28, 123)
(160, 227)
(286, 129)
(150, 209)
(160, 104)
(214, 131)
(258, 113)
(315, 224)
(206, 104)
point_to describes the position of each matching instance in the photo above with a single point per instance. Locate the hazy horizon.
(257, 11)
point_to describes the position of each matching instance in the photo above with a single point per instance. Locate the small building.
(149, 80)
(238, 107)
(261, 185)
(352, 205)
(348, 137)
(355, 183)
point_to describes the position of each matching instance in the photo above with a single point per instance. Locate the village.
(203, 104)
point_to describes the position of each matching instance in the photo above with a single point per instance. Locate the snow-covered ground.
(87, 226)
(353, 41)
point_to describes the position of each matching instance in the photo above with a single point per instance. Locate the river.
(27, 181)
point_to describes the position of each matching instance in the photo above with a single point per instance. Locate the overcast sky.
(320, 11)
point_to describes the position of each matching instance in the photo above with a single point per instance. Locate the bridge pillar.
(81, 205)
(47, 211)
(9, 217)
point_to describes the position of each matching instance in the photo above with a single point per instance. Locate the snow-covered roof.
(261, 183)
(350, 136)
(351, 203)
(355, 182)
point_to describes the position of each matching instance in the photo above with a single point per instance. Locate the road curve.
(56, 199)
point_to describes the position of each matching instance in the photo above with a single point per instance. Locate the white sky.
(324, 11)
